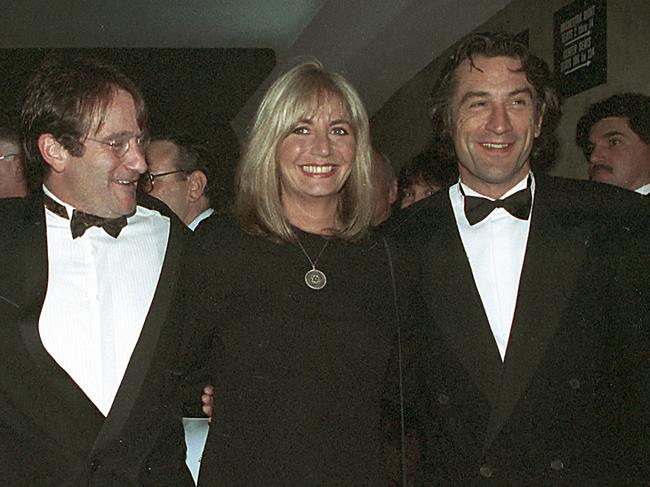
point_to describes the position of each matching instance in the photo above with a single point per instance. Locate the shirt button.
(486, 471)
(557, 464)
(574, 383)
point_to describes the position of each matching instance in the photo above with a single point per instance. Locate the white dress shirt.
(495, 248)
(98, 295)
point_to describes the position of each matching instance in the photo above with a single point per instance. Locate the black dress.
(298, 373)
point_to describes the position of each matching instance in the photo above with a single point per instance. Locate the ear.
(53, 152)
(196, 184)
(392, 192)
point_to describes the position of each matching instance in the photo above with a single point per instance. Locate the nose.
(134, 158)
(322, 144)
(596, 155)
(499, 119)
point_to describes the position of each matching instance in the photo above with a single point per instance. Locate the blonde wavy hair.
(294, 96)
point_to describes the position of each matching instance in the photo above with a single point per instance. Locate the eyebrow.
(480, 94)
(122, 134)
(333, 122)
(612, 132)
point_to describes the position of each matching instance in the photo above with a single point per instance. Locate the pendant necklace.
(315, 279)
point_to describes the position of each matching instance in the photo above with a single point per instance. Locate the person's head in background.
(384, 186)
(426, 174)
(179, 175)
(13, 177)
(614, 135)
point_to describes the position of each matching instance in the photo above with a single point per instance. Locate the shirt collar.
(645, 189)
(517, 187)
(69, 209)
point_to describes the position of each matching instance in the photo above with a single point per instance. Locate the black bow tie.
(80, 221)
(517, 204)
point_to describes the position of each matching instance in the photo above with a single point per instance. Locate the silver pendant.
(315, 279)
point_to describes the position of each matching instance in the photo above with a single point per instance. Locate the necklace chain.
(313, 262)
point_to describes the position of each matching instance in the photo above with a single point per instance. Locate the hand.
(207, 401)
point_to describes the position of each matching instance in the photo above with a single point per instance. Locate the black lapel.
(555, 250)
(449, 290)
(126, 402)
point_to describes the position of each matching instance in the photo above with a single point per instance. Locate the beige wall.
(401, 127)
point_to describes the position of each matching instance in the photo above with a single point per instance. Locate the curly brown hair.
(496, 44)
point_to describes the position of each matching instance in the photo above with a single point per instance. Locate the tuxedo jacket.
(51, 434)
(565, 405)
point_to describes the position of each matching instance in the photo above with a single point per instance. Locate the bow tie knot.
(80, 221)
(517, 204)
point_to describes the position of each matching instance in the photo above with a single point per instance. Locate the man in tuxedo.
(522, 328)
(614, 135)
(88, 275)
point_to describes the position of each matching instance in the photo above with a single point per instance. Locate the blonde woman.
(292, 298)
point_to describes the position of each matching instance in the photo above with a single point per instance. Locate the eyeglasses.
(120, 145)
(8, 157)
(146, 181)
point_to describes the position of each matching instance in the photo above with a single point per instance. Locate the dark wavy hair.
(496, 44)
(633, 106)
(68, 97)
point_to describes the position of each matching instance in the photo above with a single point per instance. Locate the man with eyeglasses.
(13, 180)
(178, 175)
(87, 355)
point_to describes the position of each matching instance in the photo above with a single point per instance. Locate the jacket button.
(557, 465)
(443, 399)
(574, 383)
(486, 471)
(95, 465)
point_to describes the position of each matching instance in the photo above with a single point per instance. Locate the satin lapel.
(554, 254)
(126, 401)
(449, 290)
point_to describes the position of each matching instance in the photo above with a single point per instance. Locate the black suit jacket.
(564, 407)
(50, 432)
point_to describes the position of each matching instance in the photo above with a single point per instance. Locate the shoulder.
(591, 201)
(220, 230)
(220, 238)
(419, 220)
(156, 209)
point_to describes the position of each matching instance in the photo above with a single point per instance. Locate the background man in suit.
(614, 135)
(87, 356)
(524, 325)
(180, 174)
